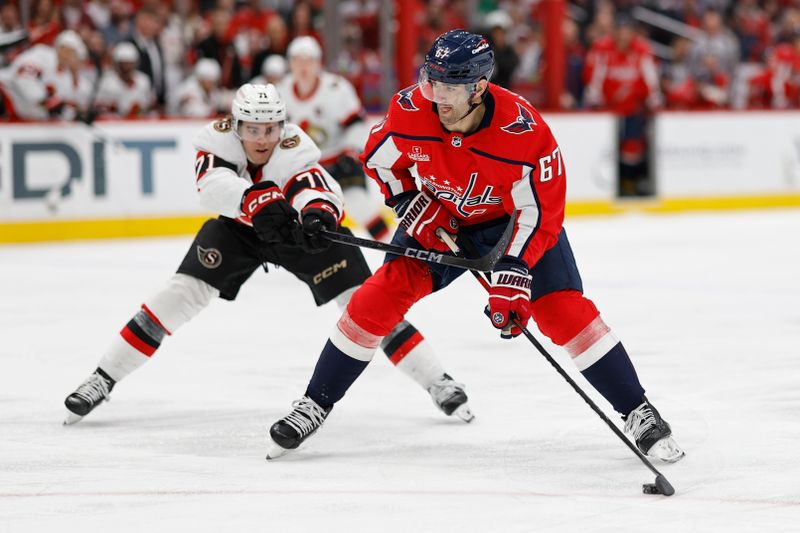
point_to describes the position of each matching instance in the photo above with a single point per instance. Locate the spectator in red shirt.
(621, 76)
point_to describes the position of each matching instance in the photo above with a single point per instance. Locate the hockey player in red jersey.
(262, 175)
(484, 156)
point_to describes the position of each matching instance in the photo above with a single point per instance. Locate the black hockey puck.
(650, 488)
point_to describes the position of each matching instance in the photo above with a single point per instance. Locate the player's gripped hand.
(509, 295)
(420, 216)
(314, 217)
(272, 216)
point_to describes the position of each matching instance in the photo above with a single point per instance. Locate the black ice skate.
(290, 431)
(652, 434)
(89, 395)
(449, 396)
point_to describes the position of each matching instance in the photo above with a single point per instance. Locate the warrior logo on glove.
(509, 297)
(420, 217)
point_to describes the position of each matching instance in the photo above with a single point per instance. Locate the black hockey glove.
(316, 216)
(273, 218)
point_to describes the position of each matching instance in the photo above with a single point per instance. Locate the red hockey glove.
(274, 219)
(420, 216)
(315, 216)
(509, 295)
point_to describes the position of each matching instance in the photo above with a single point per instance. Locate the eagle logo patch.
(405, 100)
(523, 124)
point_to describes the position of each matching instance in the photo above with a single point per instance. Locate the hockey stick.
(661, 485)
(481, 264)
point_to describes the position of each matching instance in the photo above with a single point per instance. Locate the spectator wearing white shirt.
(124, 91)
(201, 95)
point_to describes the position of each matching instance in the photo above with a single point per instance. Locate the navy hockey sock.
(334, 374)
(615, 378)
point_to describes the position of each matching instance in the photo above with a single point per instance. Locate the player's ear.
(480, 88)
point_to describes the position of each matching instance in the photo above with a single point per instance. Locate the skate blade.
(667, 450)
(464, 413)
(276, 451)
(72, 418)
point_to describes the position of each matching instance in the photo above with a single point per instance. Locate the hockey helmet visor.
(444, 93)
(260, 132)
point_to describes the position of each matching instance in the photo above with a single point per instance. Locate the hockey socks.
(377, 228)
(408, 350)
(175, 304)
(334, 374)
(615, 378)
(138, 340)
(346, 354)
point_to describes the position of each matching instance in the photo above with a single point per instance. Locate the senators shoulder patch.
(223, 125)
(291, 142)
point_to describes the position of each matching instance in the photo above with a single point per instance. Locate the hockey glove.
(509, 296)
(316, 216)
(274, 219)
(420, 216)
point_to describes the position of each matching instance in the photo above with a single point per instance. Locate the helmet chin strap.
(473, 107)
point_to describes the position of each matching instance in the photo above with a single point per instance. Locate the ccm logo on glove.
(266, 197)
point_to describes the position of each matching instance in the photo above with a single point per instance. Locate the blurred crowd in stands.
(80, 59)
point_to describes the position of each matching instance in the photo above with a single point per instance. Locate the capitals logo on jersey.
(460, 197)
(405, 101)
(523, 124)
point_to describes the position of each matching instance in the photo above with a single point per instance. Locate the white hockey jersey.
(33, 77)
(330, 115)
(124, 99)
(223, 172)
(190, 100)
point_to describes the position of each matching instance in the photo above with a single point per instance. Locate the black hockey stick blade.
(480, 264)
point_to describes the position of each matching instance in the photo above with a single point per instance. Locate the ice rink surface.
(706, 305)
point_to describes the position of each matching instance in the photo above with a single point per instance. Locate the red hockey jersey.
(510, 164)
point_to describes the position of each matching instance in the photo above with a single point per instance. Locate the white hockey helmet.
(70, 39)
(499, 19)
(207, 69)
(125, 52)
(304, 47)
(274, 65)
(257, 103)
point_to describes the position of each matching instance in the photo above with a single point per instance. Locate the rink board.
(136, 178)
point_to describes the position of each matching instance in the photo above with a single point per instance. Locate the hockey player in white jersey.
(124, 91)
(45, 82)
(200, 95)
(327, 107)
(262, 175)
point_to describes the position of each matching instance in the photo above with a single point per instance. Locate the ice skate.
(450, 398)
(652, 433)
(89, 395)
(292, 430)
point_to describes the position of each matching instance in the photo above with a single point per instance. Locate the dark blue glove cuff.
(514, 264)
(400, 202)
